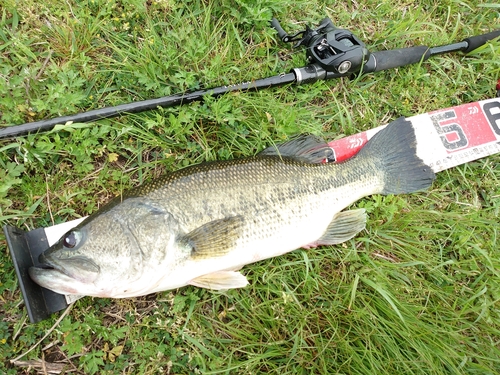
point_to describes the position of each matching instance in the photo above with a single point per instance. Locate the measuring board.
(445, 138)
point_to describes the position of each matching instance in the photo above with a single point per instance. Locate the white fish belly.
(274, 234)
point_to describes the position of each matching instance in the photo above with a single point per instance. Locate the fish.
(202, 224)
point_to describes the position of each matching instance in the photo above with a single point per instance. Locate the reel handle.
(282, 34)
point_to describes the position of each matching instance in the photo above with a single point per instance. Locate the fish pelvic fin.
(344, 226)
(221, 280)
(305, 147)
(215, 238)
(394, 152)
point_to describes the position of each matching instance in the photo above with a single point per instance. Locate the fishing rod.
(331, 53)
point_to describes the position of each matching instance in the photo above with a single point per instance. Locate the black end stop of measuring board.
(25, 247)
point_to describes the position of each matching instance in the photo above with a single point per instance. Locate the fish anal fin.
(344, 226)
(220, 280)
(306, 147)
(215, 238)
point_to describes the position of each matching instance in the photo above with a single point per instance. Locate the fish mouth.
(53, 279)
(67, 276)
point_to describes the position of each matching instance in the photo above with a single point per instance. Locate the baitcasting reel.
(335, 50)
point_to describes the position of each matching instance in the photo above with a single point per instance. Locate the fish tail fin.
(394, 150)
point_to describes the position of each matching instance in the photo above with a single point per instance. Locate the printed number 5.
(451, 134)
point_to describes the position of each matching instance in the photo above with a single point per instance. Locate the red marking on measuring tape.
(347, 147)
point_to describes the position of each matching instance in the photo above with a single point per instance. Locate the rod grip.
(478, 40)
(399, 57)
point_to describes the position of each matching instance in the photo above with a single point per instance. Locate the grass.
(418, 292)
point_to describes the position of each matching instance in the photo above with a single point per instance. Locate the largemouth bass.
(200, 225)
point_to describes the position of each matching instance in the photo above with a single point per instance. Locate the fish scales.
(274, 192)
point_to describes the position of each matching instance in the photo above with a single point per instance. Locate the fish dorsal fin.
(221, 280)
(344, 226)
(215, 238)
(305, 147)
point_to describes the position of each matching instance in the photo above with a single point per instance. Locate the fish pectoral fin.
(220, 280)
(344, 226)
(215, 238)
(306, 147)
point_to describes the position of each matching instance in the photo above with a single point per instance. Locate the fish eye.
(71, 239)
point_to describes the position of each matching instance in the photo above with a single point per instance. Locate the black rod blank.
(146, 105)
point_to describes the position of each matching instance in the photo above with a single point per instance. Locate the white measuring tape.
(446, 137)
